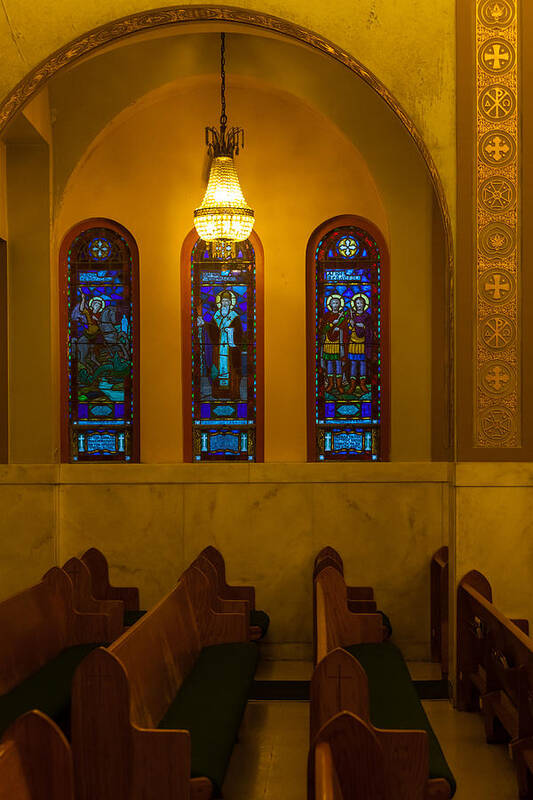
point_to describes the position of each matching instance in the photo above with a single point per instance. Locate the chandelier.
(223, 213)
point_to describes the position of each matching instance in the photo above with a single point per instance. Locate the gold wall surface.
(294, 181)
(410, 51)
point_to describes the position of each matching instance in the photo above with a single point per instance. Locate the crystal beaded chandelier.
(223, 213)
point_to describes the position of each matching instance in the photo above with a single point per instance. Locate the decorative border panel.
(498, 314)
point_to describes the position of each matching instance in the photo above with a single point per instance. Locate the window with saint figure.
(223, 364)
(100, 421)
(347, 335)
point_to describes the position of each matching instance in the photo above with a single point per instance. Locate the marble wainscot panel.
(28, 507)
(138, 527)
(494, 531)
(386, 534)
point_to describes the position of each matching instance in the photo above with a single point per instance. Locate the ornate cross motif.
(498, 287)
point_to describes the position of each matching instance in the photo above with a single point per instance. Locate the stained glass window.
(347, 405)
(100, 315)
(223, 334)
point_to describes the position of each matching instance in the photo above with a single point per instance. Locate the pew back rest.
(336, 626)
(223, 589)
(101, 588)
(213, 627)
(35, 761)
(157, 654)
(486, 637)
(35, 625)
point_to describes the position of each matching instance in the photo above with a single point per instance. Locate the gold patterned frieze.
(497, 400)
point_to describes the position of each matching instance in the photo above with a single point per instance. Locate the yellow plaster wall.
(410, 50)
(295, 181)
(38, 113)
(32, 385)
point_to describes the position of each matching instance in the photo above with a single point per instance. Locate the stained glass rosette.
(223, 351)
(100, 347)
(347, 352)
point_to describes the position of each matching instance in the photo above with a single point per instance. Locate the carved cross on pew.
(339, 677)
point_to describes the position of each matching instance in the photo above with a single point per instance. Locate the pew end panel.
(102, 589)
(35, 761)
(336, 626)
(439, 577)
(326, 782)
(225, 591)
(220, 604)
(339, 683)
(214, 627)
(84, 601)
(471, 640)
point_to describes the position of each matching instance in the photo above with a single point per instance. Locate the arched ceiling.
(411, 52)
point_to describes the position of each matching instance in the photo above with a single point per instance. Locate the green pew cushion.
(210, 705)
(48, 689)
(394, 702)
(131, 617)
(261, 619)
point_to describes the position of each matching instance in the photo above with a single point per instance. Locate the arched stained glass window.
(99, 314)
(347, 334)
(222, 338)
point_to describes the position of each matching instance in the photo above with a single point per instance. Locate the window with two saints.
(223, 347)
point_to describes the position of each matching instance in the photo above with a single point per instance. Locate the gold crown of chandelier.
(223, 213)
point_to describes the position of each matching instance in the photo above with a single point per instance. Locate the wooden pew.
(258, 619)
(140, 703)
(394, 701)
(223, 605)
(351, 759)
(83, 599)
(360, 598)
(35, 761)
(495, 670)
(43, 638)
(439, 608)
(102, 589)
(335, 624)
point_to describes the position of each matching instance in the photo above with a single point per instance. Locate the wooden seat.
(43, 640)
(376, 687)
(495, 671)
(113, 610)
(365, 760)
(102, 589)
(35, 761)
(182, 664)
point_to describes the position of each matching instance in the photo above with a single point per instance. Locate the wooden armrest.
(362, 606)
(90, 627)
(128, 594)
(234, 607)
(239, 593)
(360, 592)
(518, 745)
(161, 764)
(523, 624)
(222, 628)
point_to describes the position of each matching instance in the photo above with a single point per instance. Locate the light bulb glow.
(223, 213)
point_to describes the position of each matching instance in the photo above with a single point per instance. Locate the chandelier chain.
(223, 117)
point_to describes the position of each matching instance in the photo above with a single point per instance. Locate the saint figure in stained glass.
(100, 297)
(347, 372)
(223, 363)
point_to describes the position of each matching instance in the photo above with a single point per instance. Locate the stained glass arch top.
(99, 333)
(347, 335)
